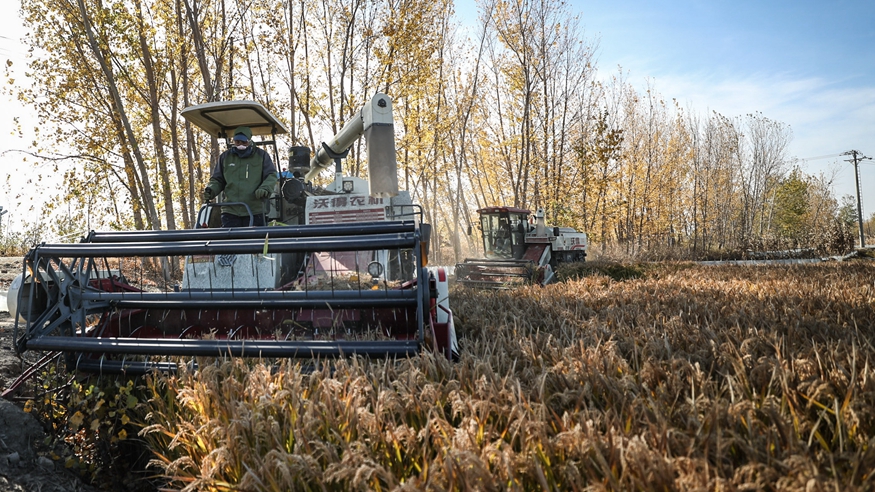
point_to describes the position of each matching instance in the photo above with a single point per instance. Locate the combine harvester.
(343, 273)
(519, 249)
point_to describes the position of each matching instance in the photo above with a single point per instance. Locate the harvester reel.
(98, 301)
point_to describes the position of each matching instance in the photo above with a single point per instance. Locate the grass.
(613, 270)
(685, 378)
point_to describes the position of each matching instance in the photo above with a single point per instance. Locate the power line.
(820, 157)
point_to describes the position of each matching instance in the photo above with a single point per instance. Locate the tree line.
(510, 112)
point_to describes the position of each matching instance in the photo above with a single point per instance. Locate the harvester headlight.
(375, 268)
(347, 186)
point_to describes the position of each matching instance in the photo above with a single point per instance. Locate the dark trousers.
(229, 220)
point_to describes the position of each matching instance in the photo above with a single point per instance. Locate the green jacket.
(239, 174)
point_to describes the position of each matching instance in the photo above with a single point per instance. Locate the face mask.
(242, 147)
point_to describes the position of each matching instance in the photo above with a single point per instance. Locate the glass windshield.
(496, 235)
(503, 235)
(519, 226)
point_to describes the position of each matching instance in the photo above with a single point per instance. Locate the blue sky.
(809, 64)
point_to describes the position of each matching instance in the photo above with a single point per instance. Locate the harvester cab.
(342, 270)
(504, 232)
(519, 248)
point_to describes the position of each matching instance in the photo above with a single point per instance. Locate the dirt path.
(10, 365)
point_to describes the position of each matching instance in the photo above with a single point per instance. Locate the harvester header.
(340, 271)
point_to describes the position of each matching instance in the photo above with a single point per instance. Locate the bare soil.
(25, 462)
(9, 268)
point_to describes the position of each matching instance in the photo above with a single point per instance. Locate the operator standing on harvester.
(247, 175)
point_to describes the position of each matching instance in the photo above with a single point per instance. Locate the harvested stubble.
(694, 378)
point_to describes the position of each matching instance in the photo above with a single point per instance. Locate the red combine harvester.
(342, 270)
(519, 249)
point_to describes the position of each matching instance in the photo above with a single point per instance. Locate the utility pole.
(856, 161)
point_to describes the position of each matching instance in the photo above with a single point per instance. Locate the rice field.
(689, 378)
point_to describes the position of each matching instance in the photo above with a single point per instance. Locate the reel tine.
(334, 312)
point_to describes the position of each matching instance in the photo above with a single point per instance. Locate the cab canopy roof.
(221, 118)
(496, 210)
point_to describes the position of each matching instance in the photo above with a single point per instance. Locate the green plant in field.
(90, 420)
(50, 407)
(615, 271)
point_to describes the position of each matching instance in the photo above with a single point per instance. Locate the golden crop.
(689, 378)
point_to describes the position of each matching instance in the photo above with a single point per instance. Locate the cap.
(243, 133)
